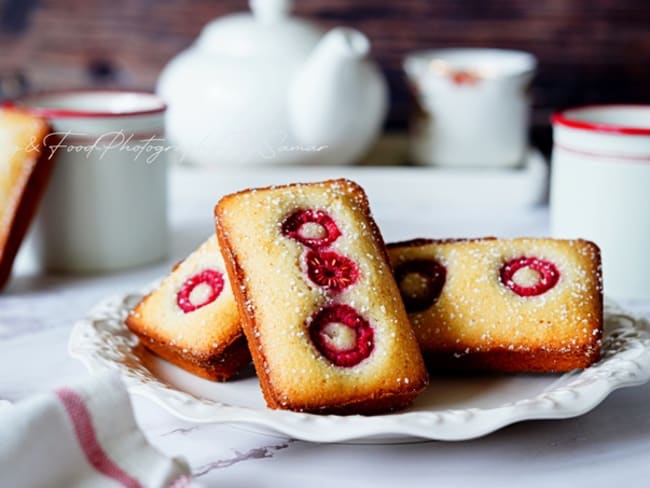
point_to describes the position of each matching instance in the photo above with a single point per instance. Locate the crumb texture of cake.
(25, 167)
(192, 320)
(322, 313)
(503, 304)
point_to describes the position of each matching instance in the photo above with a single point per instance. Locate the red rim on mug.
(36, 104)
(578, 118)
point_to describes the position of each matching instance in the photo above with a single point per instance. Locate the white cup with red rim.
(473, 106)
(600, 189)
(105, 207)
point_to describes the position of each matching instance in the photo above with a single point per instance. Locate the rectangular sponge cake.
(322, 313)
(25, 167)
(503, 304)
(191, 319)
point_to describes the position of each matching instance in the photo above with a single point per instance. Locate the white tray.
(452, 408)
(420, 188)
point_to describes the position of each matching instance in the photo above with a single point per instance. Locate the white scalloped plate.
(452, 408)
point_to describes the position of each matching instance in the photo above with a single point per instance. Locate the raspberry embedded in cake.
(313, 228)
(529, 276)
(315, 350)
(343, 336)
(420, 282)
(200, 290)
(330, 270)
(488, 317)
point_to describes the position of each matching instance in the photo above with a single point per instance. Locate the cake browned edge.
(25, 210)
(219, 365)
(504, 360)
(423, 241)
(381, 402)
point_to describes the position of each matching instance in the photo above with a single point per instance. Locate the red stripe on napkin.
(83, 427)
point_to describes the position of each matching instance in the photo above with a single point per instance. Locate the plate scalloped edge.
(102, 342)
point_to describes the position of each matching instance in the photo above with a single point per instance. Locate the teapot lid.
(268, 30)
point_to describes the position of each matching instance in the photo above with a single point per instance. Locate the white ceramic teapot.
(269, 88)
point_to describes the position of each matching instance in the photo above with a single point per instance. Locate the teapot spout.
(337, 94)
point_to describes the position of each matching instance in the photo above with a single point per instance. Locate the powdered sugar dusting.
(479, 312)
(193, 310)
(294, 271)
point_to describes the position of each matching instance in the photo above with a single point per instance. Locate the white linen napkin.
(82, 436)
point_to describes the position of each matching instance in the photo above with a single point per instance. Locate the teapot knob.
(269, 11)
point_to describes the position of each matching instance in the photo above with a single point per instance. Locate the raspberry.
(331, 271)
(210, 277)
(420, 282)
(545, 277)
(343, 336)
(313, 228)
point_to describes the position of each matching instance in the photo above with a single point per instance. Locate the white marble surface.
(609, 445)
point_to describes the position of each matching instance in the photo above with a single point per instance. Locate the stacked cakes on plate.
(299, 278)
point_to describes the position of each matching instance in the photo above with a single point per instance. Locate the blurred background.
(596, 51)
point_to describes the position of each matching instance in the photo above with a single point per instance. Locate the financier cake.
(323, 316)
(191, 319)
(25, 167)
(503, 304)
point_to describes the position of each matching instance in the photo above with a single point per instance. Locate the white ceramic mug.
(472, 106)
(105, 207)
(600, 189)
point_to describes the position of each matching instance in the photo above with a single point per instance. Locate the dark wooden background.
(590, 51)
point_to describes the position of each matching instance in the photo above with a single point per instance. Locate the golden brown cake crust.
(566, 346)
(505, 361)
(207, 341)
(221, 367)
(381, 400)
(423, 241)
(16, 214)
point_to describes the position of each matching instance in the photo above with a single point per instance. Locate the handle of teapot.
(269, 11)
